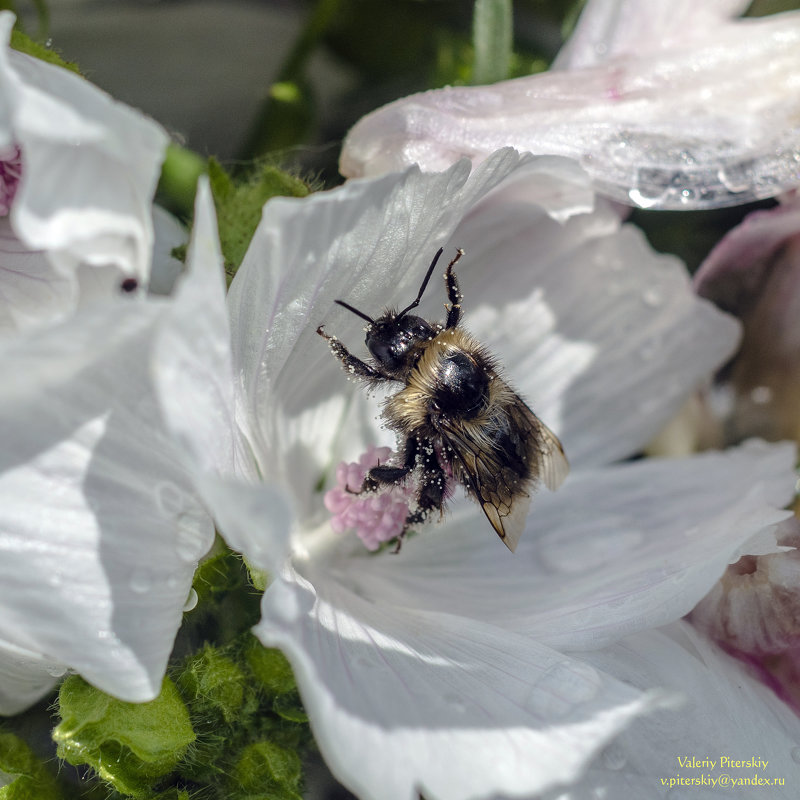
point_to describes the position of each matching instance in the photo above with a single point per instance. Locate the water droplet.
(614, 756)
(563, 687)
(653, 297)
(736, 178)
(454, 702)
(56, 670)
(169, 499)
(191, 600)
(141, 581)
(796, 754)
(761, 395)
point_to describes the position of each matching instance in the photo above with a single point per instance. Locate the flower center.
(376, 516)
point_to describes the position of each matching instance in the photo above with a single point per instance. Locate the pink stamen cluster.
(10, 174)
(376, 517)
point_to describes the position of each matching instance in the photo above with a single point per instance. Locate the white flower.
(454, 668)
(100, 529)
(77, 176)
(665, 104)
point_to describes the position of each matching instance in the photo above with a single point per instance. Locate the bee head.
(392, 339)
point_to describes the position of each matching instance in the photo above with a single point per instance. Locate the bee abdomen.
(462, 386)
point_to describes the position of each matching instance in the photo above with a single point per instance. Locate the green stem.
(178, 183)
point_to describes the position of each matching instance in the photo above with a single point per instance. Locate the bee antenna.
(355, 311)
(422, 288)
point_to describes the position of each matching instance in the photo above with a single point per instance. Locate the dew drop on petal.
(562, 688)
(796, 754)
(169, 499)
(191, 600)
(653, 297)
(140, 581)
(56, 670)
(454, 702)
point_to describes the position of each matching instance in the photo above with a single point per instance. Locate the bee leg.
(355, 366)
(453, 293)
(383, 475)
(430, 495)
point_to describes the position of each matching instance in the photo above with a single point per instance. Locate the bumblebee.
(453, 413)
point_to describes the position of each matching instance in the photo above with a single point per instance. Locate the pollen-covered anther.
(376, 516)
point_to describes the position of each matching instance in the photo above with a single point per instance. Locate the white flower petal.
(368, 242)
(587, 317)
(609, 28)
(90, 166)
(168, 234)
(438, 704)
(726, 713)
(702, 126)
(31, 290)
(100, 528)
(193, 369)
(621, 549)
(25, 677)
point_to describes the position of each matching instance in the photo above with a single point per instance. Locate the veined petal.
(474, 711)
(586, 317)
(726, 713)
(31, 289)
(168, 234)
(100, 527)
(609, 28)
(90, 167)
(25, 677)
(192, 365)
(707, 124)
(369, 242)
(616, 550)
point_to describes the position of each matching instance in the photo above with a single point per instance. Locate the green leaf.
(129, 745)
(24, 44)
(492, 33)
(31, 779)
(239, 206)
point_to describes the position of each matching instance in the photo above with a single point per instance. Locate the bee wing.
(496, 485)
(544, 448)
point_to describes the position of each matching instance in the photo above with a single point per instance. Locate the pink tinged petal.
(753, 613)
(616, 550)
(100, 529)
(90, 167)
(754, 273)
(701, 126)
(25, 678)
(725, 713)
(609, 28)
(438, 704)
(10, 174)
